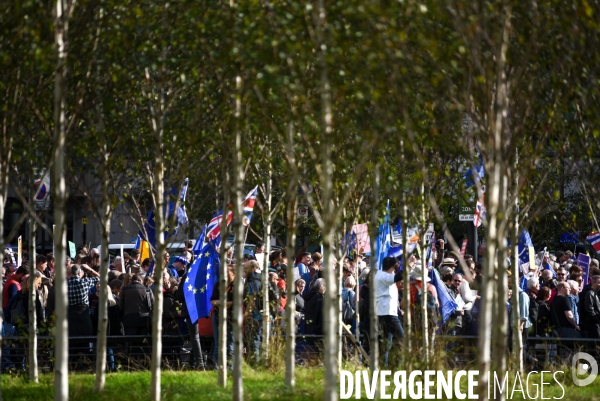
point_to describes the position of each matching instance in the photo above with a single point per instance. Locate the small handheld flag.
(594, 240)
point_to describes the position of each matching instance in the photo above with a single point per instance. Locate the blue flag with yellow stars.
(200, 281)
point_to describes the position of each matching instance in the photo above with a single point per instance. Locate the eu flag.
(476, 173)
(197, 249)
(447, 304)
(383, 241)
(200, 281)
(525, 243)
(149, 232)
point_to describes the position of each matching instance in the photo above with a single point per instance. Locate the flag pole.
(246, 235)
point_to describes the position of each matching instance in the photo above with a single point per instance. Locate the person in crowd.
(145, 267)
(299, 286)
(590, 308)
(561, 274)
(313, 308)
(217, 310)
(469, 296)
(253, 307)
(364, 296)
(539, 312)
(117, 265)
(455, 322)
(180, 263)
(13, 285)
(51, 263)
(41, 265)
(136, 303)
(274, 302)
(440, 252)
(78, 288)
(259, 255)
(302, 266)
(561, 312)
(574, 298)
(134, 258)
(115, 326)
(386, 293)
(316, 266)
(578, 278)
(22, 320)
(387, 298)
(549, 281)
(348, 294)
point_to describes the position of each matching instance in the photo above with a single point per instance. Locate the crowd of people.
(554, 300)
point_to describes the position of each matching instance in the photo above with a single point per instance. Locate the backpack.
(18, 312)
(347, 310)
(430, 298)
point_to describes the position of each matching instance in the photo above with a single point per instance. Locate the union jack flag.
(214, 227)
(480, 213)
(594, 239)
(248, 205)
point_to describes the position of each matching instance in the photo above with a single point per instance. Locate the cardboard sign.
(583, 261)
(72, 250)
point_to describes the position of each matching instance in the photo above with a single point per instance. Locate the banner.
(583, 261)
(72, 250)
(363, 241)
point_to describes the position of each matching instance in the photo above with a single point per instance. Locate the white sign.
(429, 232)
(303, 211)
(466, 217)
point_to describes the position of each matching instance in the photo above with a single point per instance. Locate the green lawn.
(259, 385)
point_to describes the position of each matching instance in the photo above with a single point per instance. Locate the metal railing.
(133, 352)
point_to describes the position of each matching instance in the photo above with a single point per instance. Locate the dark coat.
(136, 303)
(589, 311)
(313, 313)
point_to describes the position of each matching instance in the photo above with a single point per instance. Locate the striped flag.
(248, 205)
(594, 239)
(214, 227)
(480, 213)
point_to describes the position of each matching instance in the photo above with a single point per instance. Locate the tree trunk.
(331, 320)
(265, 268)
(424, 270)
(495, 213)
(160, 225)
(374, 323)
(59, 192)
(405, 271)
(290, 310)
(33, 364)
(101, 343)
(5, 163)
(223, 350)
(517, 343)
(237, 178)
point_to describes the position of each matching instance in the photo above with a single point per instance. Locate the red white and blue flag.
(248, 205)
(480, 213)
(594, 239)
(214, 227)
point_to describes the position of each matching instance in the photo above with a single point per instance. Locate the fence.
(133, 352)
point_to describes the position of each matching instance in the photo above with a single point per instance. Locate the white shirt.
(386, 294)
(260, 258)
